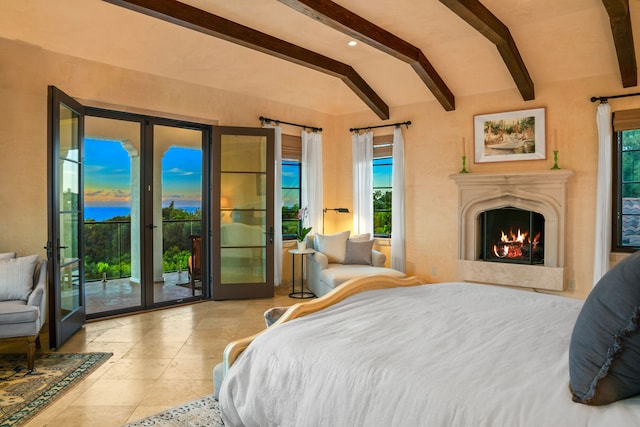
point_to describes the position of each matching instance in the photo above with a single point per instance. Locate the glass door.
(112, 244)
(64, 245)
(242, 256)
(174, 206)
(143, 204)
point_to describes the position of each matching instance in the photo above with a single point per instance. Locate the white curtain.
(362, 149)
(312, 180)
(603, 199)
(277, 205)
(397, 203)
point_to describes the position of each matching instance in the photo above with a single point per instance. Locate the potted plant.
(300, 236)
(302, 231)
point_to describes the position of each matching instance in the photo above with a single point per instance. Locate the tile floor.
(160, 359)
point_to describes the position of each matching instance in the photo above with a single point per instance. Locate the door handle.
(271, 235)
(151, 226)
(49, 250)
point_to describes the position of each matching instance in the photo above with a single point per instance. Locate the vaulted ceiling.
(296, 52)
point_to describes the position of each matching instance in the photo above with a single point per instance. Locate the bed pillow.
(604, 354)
(334, 246)
(16, 277)
(7, 255)
(358, 252)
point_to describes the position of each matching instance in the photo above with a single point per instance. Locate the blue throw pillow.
(604, 354)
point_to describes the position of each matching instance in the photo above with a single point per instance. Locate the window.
(291, 185)
(291, 179)
(626, 181)
(382, 167)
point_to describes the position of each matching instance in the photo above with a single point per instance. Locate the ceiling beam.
(199, 20)
(347, 22)
(620, 20)
(481, 18)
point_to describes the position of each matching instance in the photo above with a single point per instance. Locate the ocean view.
(104, 213)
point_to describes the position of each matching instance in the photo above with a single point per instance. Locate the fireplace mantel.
(538, 191)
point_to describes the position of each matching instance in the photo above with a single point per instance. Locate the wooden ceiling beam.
(337, 17)
(481, 18)
(620, 20)
(199, 20)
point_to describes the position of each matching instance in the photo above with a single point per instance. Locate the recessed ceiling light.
(352, 43)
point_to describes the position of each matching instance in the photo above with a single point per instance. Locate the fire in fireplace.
(512, 235)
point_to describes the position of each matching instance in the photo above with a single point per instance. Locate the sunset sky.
(107, 173)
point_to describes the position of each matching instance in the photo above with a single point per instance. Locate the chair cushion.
(12, 312)
(337, 274)
(358, 252)
(16, 277)
(604, 352)
(334, 246)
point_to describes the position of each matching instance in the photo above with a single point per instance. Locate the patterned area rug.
(197, 413)
(23, 393)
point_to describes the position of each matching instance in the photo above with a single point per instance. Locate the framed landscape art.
(514, 135)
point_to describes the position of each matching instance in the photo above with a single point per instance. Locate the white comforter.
(451, 354)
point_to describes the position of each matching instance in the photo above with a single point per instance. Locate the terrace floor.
(122, 293)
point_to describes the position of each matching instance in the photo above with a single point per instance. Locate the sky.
(107, 174)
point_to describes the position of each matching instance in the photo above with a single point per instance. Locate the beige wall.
(23, 136)
(433, 152)
(432, 147)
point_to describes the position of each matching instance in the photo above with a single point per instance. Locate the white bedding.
(451, 354)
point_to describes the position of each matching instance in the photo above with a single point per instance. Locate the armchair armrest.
(320, 259)
(378, 258)
(37, 296)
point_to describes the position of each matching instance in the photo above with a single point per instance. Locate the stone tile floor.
(160, 359)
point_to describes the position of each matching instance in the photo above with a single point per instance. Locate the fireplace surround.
(543, 192)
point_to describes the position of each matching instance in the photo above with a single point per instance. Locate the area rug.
(197, 413)
(24, 392)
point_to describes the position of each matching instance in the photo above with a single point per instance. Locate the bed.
(381, 351)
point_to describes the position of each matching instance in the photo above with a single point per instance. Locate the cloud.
(180, 172)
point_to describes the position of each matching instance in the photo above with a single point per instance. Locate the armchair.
(338, 258)
(22, 316)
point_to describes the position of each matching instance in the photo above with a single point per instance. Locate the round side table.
(302, 294)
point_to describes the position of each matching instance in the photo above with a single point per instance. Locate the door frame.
(241, 290)
(61, 328)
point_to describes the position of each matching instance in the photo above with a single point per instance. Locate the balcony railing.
(107, 247)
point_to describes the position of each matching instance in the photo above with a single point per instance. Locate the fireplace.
(535, 202)
(512, 235)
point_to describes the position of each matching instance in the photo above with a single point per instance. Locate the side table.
(302, 293)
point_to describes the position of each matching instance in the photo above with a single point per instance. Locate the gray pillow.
(358, 252)
(604, 354)
(16, 277)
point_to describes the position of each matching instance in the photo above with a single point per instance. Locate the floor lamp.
(324, 211)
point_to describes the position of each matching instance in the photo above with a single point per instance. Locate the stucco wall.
(23, 136)
(432, 149)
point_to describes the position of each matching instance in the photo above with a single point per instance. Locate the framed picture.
(514, 135)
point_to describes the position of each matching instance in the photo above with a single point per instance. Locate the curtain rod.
(605, 98)
(267, 120)
(407, 123)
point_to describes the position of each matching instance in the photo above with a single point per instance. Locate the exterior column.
(136, 255)
(158, 154)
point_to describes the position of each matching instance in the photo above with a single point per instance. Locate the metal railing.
(107, 247)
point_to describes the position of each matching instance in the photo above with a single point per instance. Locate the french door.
(144, 201)
(146, 212)
(242, 243)
(65, 230)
